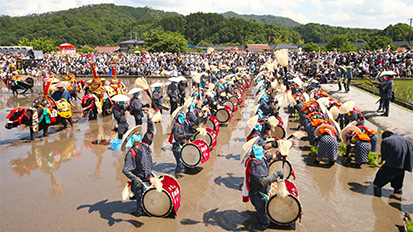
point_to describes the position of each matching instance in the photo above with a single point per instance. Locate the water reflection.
(48, 157)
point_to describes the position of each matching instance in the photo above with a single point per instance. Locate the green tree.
(311, 47)
(340, 43)
(160, 41)
(42, 43)
(379, 41)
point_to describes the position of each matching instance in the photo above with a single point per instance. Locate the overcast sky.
(347, 13)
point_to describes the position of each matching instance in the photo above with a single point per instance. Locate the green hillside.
(268, 19)
(321, 33)
(92, 24)
(203, 28)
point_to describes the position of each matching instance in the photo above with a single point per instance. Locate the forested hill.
(268, 19)
(108, 24)
(203, 28)
(92, 24)
(320, 33)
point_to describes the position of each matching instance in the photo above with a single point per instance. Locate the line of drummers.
(195, 122)
(322, 120)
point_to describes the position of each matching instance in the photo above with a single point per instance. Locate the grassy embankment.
(403, 89)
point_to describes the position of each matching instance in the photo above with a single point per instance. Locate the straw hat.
(157, 84)
(187, 104)
(334, 112)
(135, 90)
(323, 101)
(348, 129)
(325, 126)
(246, 149)
(120, 98)
(388, 73)
(335, 124)
(173, 79)
(128, 134)
(175, 114)
(346, 107)
(254, 110)
(250, 125)
(181, 78)
(257, 99)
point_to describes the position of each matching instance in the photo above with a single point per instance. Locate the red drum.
(232, 105)
(235, 99)
(210, 138)
(213, 124)
(160, 204)
(278, 164)
(224, 114)
(239, 100)
(248, 82)
(284, 210)
(194, 152)
(279, 131)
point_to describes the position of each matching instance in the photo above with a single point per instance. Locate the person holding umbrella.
(118, 111)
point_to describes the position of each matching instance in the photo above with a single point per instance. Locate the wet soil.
(64, 182)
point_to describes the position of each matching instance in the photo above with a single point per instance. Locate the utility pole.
(410, 30)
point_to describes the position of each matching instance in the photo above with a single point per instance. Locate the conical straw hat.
(325, 126)
(257, 99)
(254, 110)
(346, 107)
(334, 112)
(134, 90)
(175, 114)
(348, 129)
(250, 125)
(128, 134)
(187, 104)
(246, 149)
(120, 98)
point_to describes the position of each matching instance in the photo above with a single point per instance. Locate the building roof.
(286, 46)
(107, 49)
(258, 47)
(133, 41)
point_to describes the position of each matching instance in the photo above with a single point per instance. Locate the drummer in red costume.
(138, 161)
(257, 178)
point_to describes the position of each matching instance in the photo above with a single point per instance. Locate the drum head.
(278, 132)
(156, 204)
(235, 99)
(283, 210)
(190, 155)
(230, 105)
(206, 138)
(222, 115)
(278, 164)
(210, 124)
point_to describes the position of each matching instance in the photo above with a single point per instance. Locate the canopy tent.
(66, 46)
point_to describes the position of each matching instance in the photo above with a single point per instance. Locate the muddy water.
(64, 182)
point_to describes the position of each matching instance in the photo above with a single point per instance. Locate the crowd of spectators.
(322, 65)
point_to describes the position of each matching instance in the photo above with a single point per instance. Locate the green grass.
(342, 149)
(313, 151)
(403, 89)
(372, 158)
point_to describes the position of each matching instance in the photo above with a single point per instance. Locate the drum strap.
(133, 152)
